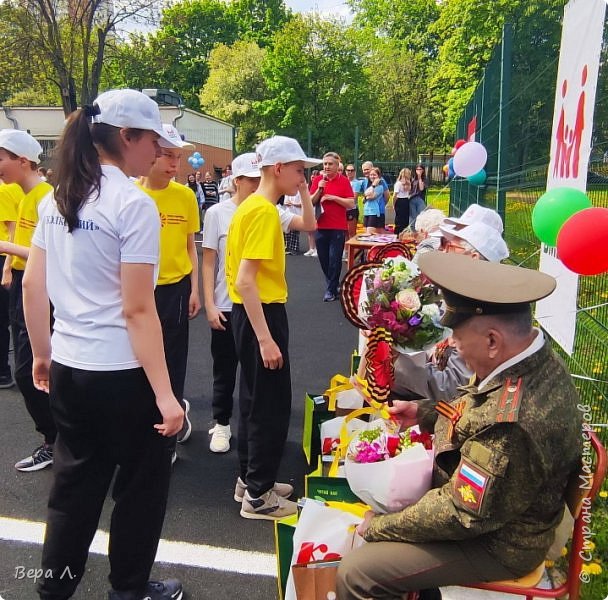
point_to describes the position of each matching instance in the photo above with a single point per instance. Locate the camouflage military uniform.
(501, 473)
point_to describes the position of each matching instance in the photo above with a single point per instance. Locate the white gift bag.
(349, 399)
(391, 485)
(322, 533)
(330, 432)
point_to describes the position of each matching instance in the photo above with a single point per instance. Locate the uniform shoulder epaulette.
(510, 401)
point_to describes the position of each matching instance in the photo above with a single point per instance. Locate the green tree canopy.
(259, 20)
(405, 21)
(316, 83)
(234, 87)
(401, 123)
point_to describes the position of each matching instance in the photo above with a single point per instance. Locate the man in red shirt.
(333, 192)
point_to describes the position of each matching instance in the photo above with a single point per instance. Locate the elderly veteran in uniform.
(439, 377)
(505, 448)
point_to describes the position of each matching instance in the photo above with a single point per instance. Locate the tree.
(400, 122)
(14, 60)
(176, 55)
(405, 21)
(189, 31)
(72, 36)
(316, 83)
(259, 20)
(234, 88)
(468, 32)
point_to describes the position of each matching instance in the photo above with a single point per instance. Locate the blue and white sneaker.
(269, 506)
(41, 458)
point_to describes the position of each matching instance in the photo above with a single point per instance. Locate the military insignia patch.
(470, 486)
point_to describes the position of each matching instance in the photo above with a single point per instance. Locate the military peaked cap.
(475, 287)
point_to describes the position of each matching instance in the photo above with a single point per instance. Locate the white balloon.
(469, 159)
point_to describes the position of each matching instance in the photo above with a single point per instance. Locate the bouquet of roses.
(389, 470)
(402, 301)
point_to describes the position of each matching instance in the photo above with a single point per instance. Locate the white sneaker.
(308, 253)
(314, 252)
(220, 438)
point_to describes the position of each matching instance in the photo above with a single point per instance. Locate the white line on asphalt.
(178, 553)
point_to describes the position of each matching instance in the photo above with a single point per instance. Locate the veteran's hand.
(405, 412)
(362, 527)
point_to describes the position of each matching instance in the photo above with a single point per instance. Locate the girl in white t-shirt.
(94, 255)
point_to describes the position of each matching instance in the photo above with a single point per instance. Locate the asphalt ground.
(202, 515)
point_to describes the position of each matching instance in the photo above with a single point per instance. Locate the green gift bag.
(315, 413)
(283, 538)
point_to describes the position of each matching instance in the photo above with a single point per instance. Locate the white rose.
(408, 300)
(430, 310)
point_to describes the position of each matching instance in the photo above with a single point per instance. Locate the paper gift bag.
(348, 401)
(330, 432)
(322, 534)
(391, 485)
(316, 580)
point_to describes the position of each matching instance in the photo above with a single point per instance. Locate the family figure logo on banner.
(564, 209)
(568, 137)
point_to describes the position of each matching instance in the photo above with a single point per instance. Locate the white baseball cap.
(130, 108)
(484, 238)
(478, 214)
(20, 143)
(281, 149)
(246, 165)
(176, 138)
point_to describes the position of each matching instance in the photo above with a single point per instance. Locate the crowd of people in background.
(371, 192)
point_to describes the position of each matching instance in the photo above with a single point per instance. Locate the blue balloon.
(451, 172)
(201, 161)
(191, 161)
(197, 155)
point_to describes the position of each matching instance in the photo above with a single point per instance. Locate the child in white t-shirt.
(95, 255)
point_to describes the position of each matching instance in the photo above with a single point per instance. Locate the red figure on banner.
(579, 125)
(569, 139)
(308, 550)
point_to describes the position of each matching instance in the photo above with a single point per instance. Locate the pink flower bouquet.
(389, 470)
(404, 302)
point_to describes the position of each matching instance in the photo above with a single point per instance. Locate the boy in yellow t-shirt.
(19, 158)
(10, 197)
(176, 294)
(255, 273)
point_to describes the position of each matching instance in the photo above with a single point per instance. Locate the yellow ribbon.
(344, 437)
(337, 384)
(340, 383)
(354, 508)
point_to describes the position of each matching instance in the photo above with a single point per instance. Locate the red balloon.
(457, 145)
(582, 242)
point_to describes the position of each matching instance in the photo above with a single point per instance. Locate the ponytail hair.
(79, 169)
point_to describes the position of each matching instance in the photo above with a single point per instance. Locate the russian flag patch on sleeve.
(470, 485)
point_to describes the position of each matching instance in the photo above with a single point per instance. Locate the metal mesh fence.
(513, 105)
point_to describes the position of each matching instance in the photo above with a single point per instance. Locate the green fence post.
(503, 117)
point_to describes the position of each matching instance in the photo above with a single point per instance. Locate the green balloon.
(553, 209)
(478, 179)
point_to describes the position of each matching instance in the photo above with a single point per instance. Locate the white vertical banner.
(579, 58)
